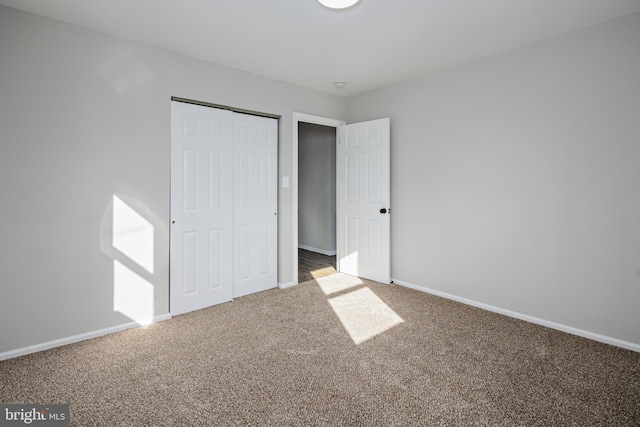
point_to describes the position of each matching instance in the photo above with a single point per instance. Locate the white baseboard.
(553, 325)
(320, 251)
(286, 285)
(75, 338)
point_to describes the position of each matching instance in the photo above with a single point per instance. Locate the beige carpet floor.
(334, 352)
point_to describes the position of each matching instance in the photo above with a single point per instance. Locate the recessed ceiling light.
(338, 4)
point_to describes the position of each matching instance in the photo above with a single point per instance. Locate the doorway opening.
(316, 201)
(314, 215)
(363, 197)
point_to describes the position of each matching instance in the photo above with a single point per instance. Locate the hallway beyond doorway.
(312, 265)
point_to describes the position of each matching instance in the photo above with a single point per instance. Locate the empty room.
(178, 249)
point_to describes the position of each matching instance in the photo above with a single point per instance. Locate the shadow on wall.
(126, 71)
(128, 237)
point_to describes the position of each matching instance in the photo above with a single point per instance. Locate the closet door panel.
(201, 272)
(255, 153)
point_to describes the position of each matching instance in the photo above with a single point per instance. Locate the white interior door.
(256, 203)
(363, 200)
(201, 271)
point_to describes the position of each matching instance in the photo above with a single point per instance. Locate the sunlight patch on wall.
(133, 235)
(363, 314)
(132, 294)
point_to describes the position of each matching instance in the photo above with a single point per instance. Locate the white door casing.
(201, 272)
(256, 204)
(306, 118)
(363, 200)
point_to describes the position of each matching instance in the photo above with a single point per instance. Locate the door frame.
(317, 120)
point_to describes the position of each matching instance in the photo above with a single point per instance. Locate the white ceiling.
(373, 44)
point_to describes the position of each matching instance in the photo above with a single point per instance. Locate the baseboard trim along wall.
(76, 338)
(553, 325)
(320, 251)
(286, 285)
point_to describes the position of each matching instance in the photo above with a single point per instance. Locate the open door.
(363, 200)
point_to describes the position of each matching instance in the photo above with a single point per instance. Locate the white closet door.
(256, 202)
(201, 260)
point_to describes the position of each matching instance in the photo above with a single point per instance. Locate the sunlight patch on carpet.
(363, 314)
(323, 272)
(337, 283)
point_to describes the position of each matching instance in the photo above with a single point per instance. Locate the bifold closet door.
(223, 206)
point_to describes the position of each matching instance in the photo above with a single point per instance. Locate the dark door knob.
(383, 211)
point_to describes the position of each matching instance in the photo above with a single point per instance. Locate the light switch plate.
(285, 182)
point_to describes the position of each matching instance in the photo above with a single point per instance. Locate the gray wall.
(83, 117)
(317, 187)
(516, 179)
